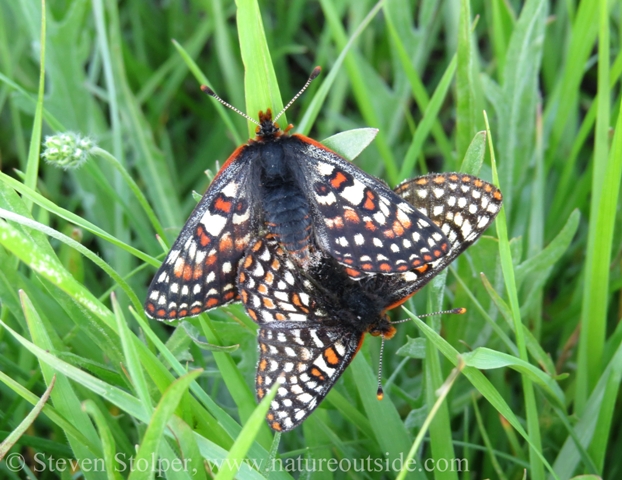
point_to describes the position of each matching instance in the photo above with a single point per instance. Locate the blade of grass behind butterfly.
(605, 190)
(418, 89)
(429, 117)
(361, 91)
(202, 79)
(311, 113)
(533, 424)
(260, 84)
(32, 168)
(440, 427)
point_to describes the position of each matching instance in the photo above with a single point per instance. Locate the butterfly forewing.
(306, 359)
(361, 222)
(199, 272)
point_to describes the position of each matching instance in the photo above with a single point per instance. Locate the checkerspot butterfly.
(312, 322)
(302, 193)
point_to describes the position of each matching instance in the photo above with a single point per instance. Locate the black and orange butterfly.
(302, 193)
(312, 322)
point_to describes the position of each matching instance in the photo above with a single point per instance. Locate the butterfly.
(303, 194)
(312, 322)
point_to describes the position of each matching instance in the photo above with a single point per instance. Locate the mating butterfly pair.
(285, 226)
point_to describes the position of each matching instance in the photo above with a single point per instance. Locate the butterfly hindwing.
(461, 205)
(272, 288)
(361, 222)
(199, 272)
(306, 359)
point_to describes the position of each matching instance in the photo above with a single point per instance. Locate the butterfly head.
(267, 128)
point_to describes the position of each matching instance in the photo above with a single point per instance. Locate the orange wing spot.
(183, 312)
(369, 201)
(427, 258)
(244, 295)
(187, 272)
(260, 392)
(172, 314)
(453, 177)
(242, 277)
(161, 312)
(422, 269)
(151, 307)
(488, 188)
(497, 195)
(444, 247)
(370, 226)
(198, 272)
(264, 349)
(179, 268)
(398, 228)
(276, 426)
(437, 253)
(478, 183)
(339, 180)
(222, 205)
(348, 261)
(367, 266)
(259, 380)
(211, 302)
(316, 373)
(262, 289)
(385, 267)
(402, 268)
(210, 260)
(248, 261)
(270, 417)
(422, 181)
(353, 273)
(275, 264)
(257, 246)
(280, 317)
(252, 314)
(296, 300)
(268, 303)
(389, 233)
(351, 216)
(195, 310)
(466, 179)
(439, 179)
(269, 278)
(204, 239)
(416, 263)
(229, 296)
(226, 243)
(331, 356)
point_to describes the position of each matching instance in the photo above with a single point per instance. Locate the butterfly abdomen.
(286, 209)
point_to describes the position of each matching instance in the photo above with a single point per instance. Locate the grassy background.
(542, 337)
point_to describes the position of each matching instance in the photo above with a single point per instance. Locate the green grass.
(539, 352)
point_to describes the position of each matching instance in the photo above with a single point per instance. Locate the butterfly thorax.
(287, 214)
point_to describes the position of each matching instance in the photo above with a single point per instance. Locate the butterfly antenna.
(316, 71)
(454, 311)
(380, 391)
(212, 94)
